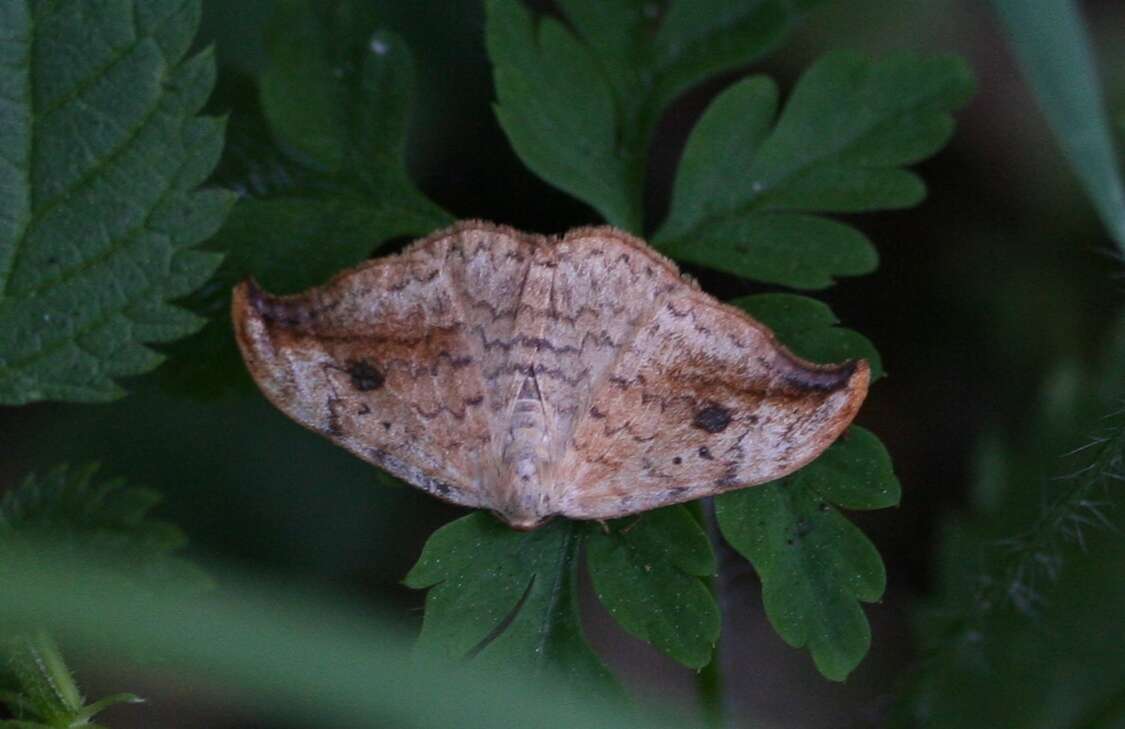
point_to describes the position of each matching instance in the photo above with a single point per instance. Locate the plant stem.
(709, 681)
(51, 667)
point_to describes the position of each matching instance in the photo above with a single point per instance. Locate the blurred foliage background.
(993, 308)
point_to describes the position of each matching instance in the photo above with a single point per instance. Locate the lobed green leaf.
(808, 329)
(353, 129)
(557, 109)
(336, 97)
(647, 570)
(505, 598)
(580, 108)
(102, 153)
(814, 564)
(746, 182)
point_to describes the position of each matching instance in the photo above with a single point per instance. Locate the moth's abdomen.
(524, 458)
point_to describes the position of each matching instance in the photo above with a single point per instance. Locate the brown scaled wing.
(652, 392)
(703, 401)
(386, 359)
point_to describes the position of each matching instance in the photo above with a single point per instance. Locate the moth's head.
(524, 508)
(521, 497)
(522, 522)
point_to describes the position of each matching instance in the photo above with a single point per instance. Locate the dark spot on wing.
(713, 418)
(365, 376)
(677, 460)
(705, 454)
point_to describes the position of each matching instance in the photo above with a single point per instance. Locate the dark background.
(1001, 274)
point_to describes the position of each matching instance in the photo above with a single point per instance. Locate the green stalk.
(709, 680)
(51, 668)
(44, 687)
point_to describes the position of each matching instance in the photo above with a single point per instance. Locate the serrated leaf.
(82, 515)
(815, 565)
(807, 327)
(337, 98)
(647, 571)
(101, 157)
(580, 110)
(505, 598)
(746, 184)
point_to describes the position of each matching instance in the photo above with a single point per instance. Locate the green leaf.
(1053, 47)
(336, 97)
(298, 656)
(580, 110)
(807, 327)
(557, 110)
(304, 94)
(647, 571)
(746, 183)
(505, 598)
(814, 564)
(101, 156)
(43, 687)
(85, 516)
(82, 519)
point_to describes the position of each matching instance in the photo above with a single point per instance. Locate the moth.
(580, 376)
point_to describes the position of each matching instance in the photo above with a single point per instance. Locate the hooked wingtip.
(250, 301)
(248, 296)
(805, 376)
